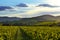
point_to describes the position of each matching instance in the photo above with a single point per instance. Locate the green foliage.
(43, 33)
(29, 33)
(7, 32)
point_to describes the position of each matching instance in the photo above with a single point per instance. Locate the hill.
(40, 20)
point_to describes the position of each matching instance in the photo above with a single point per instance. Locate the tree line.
(18, 23)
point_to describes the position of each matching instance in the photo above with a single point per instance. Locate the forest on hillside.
(30, 23)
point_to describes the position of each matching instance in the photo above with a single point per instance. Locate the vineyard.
(29, 33)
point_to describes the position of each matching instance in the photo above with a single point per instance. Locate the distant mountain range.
(39, 18)
(43, 18)
(3, 19)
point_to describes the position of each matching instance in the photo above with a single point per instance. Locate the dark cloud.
(2, 8)
(22, 5)
(46, 5)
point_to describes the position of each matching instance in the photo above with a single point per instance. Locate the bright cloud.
(53, 2)
(31, 12)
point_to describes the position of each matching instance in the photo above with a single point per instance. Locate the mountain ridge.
(42, 18)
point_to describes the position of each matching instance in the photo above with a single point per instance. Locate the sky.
(31, 10)
(15, 2)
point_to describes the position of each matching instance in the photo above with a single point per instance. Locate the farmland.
(29, 33)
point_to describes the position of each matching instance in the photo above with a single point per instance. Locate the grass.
(29, 33)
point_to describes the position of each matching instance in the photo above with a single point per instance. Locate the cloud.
(2, 8)
(22, 5)
(32, 11)
(55, 14)
(46, 5)
(53, 2)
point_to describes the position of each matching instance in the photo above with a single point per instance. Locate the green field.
(29, 33)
